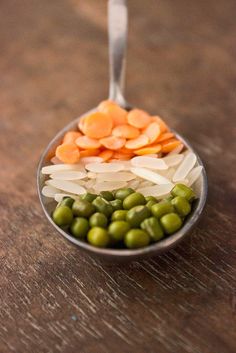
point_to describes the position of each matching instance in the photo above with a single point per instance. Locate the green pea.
(98, 220)
(133, 200)
(119, 215)
(89, 197)
(136, 238)
(150, 203)
(118, 229)
(67, 201)
(136, 215)
(62, 216)
(171, 222)
(151, 198)
(121, 194)
(169, 198)
(184, 191)
(181, 205)
(117, 204)
(98, 237)
(152, 227)
(83, 208)
(161, 208)
(107, 195)
(103, 206)
(79, 227)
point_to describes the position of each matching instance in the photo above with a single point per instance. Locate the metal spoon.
(118, 24)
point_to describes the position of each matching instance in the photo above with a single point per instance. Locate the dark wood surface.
(53, 67)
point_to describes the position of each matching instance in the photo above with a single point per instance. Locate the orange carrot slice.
(122, 156)
(104, 104)
(138, 118)
(161, 123)
(169, 145)
(81, 123)
(89, 153)
(148, 150)
(106, 155)
(152, 131)
(71, 136)
(113, 142)
(126, 131)
(125, 150)
(97, 125)
(87, 143)
(116, 113)
(165, 136)
(137, 143)
(68, 153)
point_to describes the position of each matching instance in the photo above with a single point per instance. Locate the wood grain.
(53, 66)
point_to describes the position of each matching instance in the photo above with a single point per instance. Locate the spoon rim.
(153, 249)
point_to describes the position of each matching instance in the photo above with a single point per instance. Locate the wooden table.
(53, 65)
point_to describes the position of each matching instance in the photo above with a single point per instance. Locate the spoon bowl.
(117, 21)
(116, 255)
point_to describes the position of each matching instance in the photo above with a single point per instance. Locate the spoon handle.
(117, 29)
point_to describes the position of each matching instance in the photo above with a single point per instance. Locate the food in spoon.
(133, 226)
(122, 180)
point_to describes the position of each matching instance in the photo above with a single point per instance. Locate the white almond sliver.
(173, 160)
(91, 175)
(67, 186)
(133, 184)
(49, 191)
(104, 167)
(184, 181)
(145, 184)
(149, 162)
(89, 184)
(194, 174)
(56, 167)
(150, 175)
(126, 164)
(80, 182)
(68, 175)
(109, 185)
(156, 190)
(176, 150)
(119, 176)
(92, 159)
(185, 167)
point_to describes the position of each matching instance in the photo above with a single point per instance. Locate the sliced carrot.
(89, 153)
(125, 150)
(81, 123)
(122, 156)
(161, 122)
(169, 145)
(116, 113)
(126, 131)
(137, 143)
(68, 153)
(71, 136)
(104, 104)
(148, 150)
(87, 143)
(97, 125)
(113, 142)
(138, 118)
(165, 136)
(106, 155)
(152, 131)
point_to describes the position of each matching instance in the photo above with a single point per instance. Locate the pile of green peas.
(125, 218)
